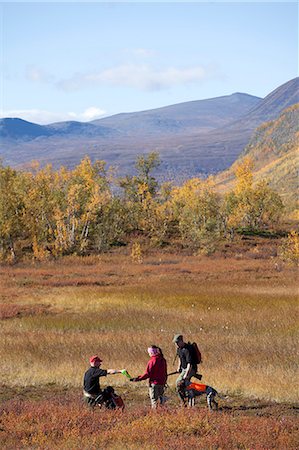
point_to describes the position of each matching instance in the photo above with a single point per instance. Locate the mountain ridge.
(64, 127)
(192, 114)
(194, 138)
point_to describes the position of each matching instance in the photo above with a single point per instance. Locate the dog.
(188, 391)
(107, 398)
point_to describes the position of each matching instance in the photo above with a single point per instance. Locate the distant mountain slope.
(18, 129)
(21, 129)
(73, 128)
(274, 151)
(198, 115)
(193, 138)
(183, 117)
(272, 105)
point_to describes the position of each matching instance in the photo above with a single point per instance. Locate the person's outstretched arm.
(145, 375)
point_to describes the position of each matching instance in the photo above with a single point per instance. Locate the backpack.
(195, 353)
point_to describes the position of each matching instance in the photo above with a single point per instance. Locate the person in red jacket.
(156, 373)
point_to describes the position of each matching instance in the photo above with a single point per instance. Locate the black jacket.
(91, 382)
(186, 356)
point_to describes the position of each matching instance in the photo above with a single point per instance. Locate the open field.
(241, 309)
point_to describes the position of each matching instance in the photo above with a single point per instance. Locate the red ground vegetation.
(64, 423)
(10, 310)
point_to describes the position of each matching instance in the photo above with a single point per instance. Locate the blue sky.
(85, 60)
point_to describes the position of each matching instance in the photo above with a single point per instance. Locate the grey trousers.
(182, 374)
(156, 393)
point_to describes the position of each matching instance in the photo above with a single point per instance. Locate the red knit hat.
(94, 359)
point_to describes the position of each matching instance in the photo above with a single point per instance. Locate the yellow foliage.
(39, 252)
(136, 253)
(75, 211)
(244, 174)
(290, 247)
(192, 190)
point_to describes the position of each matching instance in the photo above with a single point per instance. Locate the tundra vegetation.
(181, 259)
(240, 307)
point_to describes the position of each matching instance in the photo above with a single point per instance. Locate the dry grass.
(242, 312)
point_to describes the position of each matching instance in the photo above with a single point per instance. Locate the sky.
(87, 60)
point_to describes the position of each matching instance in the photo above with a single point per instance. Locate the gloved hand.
(133, 379)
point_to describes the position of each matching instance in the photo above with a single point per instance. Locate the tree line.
(48, 213)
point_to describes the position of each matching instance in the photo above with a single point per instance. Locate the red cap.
(94, 359)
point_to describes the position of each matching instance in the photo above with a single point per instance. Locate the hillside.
(73, 128)
(274, 151)
(195, 138)
(272, 105)
(18, 129)
(194, 116)
(173, 131)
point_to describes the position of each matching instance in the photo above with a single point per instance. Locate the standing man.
(187, 363)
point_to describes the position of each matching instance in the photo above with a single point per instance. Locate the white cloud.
(43, 117)
(139, 76)
(90, 113)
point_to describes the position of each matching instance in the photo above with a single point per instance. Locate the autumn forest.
(86, 210)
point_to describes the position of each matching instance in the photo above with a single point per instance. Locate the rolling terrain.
(274, 151)
(238, 303)
(237, 306)
(193, 138)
